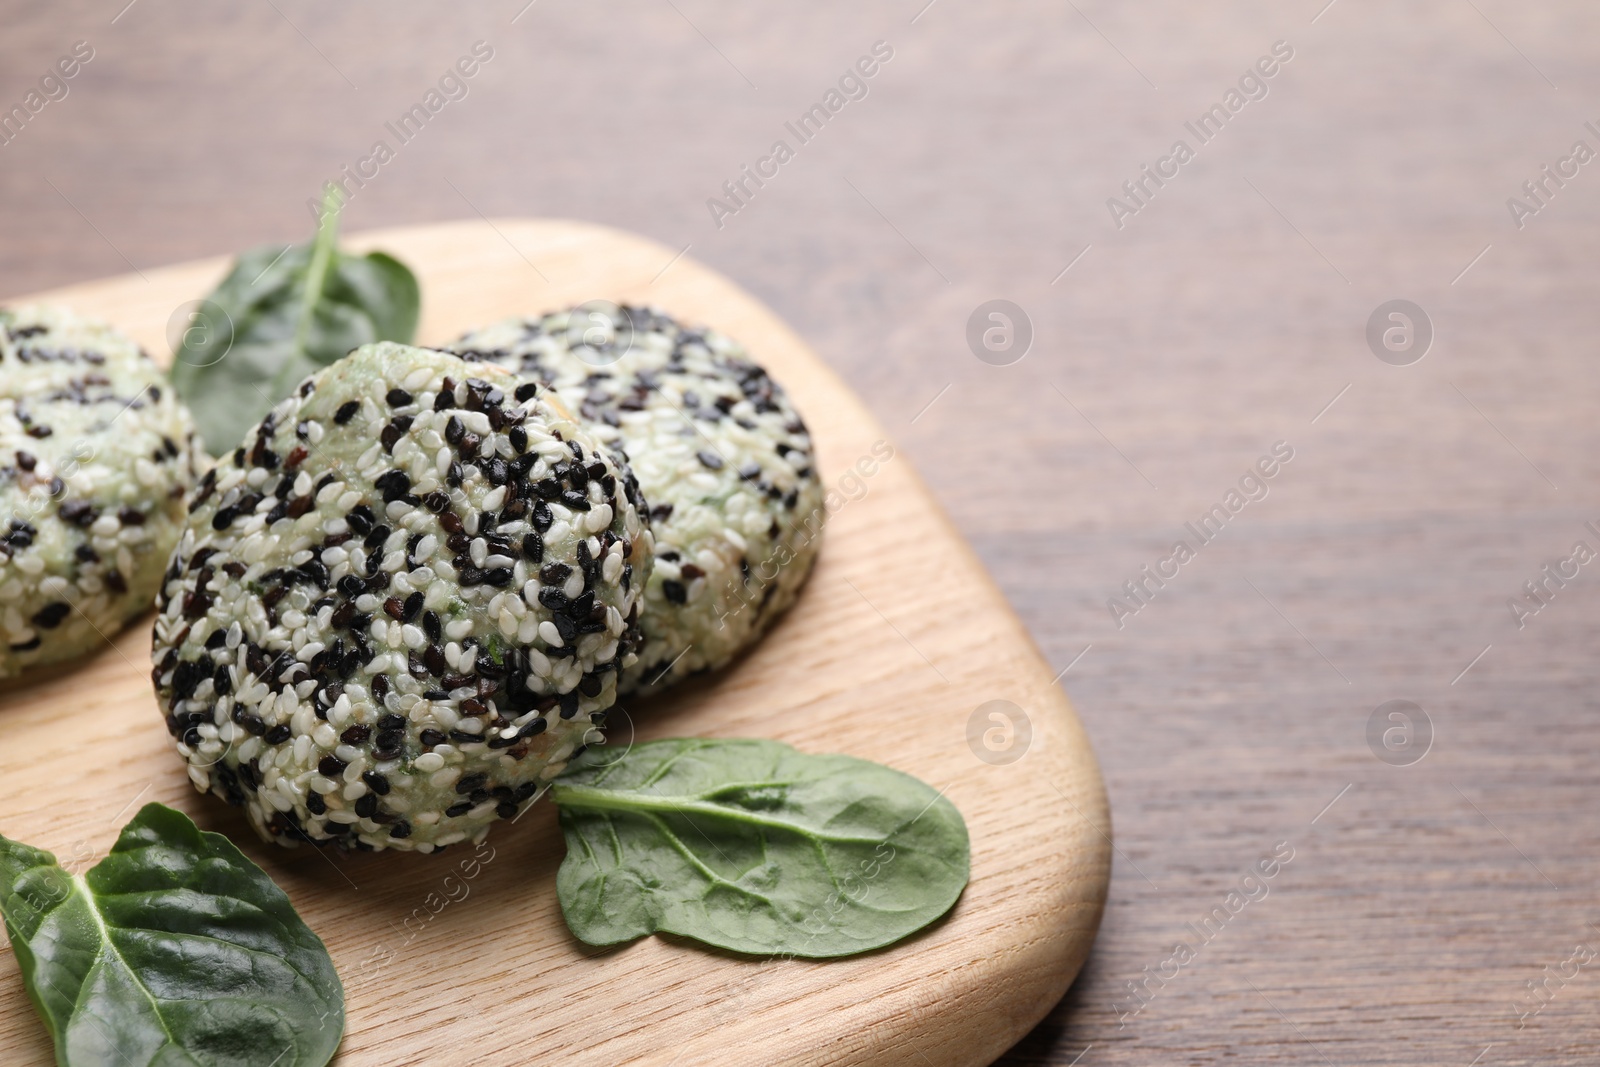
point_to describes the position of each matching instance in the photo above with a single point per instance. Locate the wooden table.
(1231, 711)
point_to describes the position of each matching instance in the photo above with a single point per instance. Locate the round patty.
(96, 453)
(722, 457)
(401, 606)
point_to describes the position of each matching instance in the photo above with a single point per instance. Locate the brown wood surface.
(895, 642)
(1220, 319)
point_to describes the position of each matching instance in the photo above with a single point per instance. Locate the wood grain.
(897, 639)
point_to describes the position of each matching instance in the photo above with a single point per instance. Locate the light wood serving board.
(896, 641)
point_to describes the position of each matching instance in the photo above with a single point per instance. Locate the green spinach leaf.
(173, 950)
(755, 847)
(281, 314)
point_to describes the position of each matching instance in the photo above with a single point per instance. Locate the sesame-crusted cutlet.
(401, 606)
(722, 457)
(96, 453)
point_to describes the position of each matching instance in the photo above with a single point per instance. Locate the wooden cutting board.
(896, 644)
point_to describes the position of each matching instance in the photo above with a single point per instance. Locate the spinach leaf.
(279, 315)
(755, 847)
(174, 950)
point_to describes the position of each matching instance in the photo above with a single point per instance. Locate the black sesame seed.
(674, 591)
(711, 460)
(347, 411)
(79, 512)
(315, 804)
(51, 615)
(412, 605)
(278, 734)
(331, 766)
(401, 829)
(367, 806)
(432, 738)
(356, 734)
(391, 434)
(394, 484)
(398, 398)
